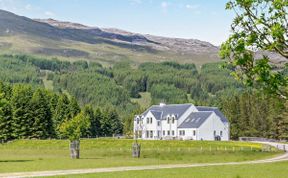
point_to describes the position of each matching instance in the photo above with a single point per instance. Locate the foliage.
(5, 119)
(107, 91)
(90, 87)
(61, 112)
(250, 113)
(167, 94)
(13, 70)
(22, 111)
(73, 129)
(259, 25)
(42, 126)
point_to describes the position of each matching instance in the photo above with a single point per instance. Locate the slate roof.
(195, 119)
(176, 109)
(157, 114)
(214, 109)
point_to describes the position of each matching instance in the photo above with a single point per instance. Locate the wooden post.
(136, 148)
(75, 149)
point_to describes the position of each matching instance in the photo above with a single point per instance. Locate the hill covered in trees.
(106, 94)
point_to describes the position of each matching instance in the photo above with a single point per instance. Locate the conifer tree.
(5, 119)
(62, 112)
(22, 118)
(74, 107)
(115, 122)
(53, 102)
(95, 127)
(105, 125)
(42, 118)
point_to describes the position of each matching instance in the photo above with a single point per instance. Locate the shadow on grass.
(14, 161)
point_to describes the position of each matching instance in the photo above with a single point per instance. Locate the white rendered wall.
(189, 135)
(213, 123)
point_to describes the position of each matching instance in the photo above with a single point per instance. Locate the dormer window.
(147, 120)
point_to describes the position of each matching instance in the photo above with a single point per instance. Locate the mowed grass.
(40, 155)
(267, 170)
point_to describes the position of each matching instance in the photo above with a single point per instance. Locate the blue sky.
(205, 20)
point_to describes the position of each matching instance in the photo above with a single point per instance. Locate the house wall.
(189, 134)
(169, 127)
(149, 127)
(205, 131)
(213, 123)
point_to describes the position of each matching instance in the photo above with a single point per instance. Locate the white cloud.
(134, 2)
(49, 13)
(195, 8)
(164, 5)
(192, 7)
(21, 8)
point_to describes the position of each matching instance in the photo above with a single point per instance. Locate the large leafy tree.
(74, 128)
(259, 25)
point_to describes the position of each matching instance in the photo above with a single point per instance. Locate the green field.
(40, 155)
(268, 170)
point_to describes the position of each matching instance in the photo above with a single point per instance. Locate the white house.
(181, 121)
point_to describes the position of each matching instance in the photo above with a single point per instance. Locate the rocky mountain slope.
(50, 37)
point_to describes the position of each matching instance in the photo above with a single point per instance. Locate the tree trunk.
(75, 149)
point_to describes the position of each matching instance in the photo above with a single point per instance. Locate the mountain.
(67, 40)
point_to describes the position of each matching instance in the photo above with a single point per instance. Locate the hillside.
(72, 41)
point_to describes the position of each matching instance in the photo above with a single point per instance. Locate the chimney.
(162, 104)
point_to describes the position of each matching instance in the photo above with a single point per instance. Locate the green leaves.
(75, 128)
(259, 25)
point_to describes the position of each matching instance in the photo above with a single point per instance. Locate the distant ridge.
(50, 37)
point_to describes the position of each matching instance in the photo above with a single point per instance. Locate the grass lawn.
(40, 155)
(268, 170)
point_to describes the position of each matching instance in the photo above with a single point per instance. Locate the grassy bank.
(39, 155)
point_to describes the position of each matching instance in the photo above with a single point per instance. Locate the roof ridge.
(179, 104)
(207, 106)
(203, 111)
(155, 111)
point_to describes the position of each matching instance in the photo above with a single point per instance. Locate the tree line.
(110, 89)
(254, 114)
(27, 112)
